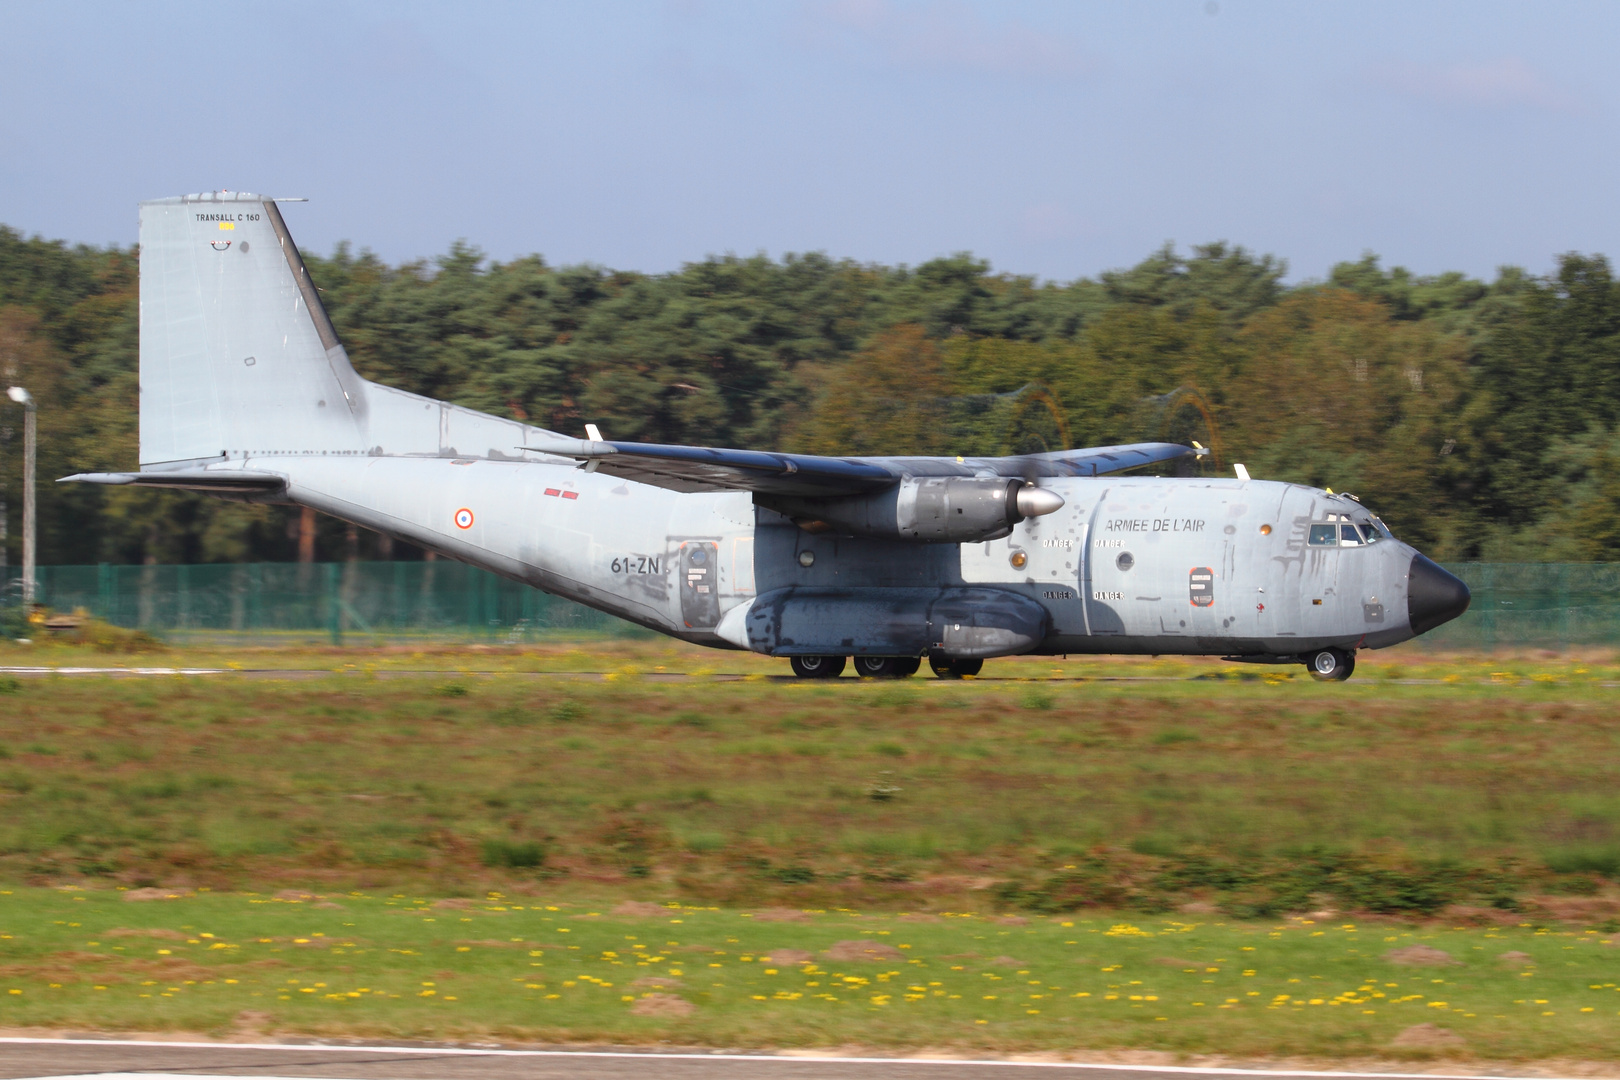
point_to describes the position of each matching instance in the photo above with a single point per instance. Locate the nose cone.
(1432, 595)
(1035, 501)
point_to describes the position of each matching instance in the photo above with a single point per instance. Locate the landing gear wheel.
(878, 667)
(906, 665)
(1330, 665)
(946, 668)
(817, 667)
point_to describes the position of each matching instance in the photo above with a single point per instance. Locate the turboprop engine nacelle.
(930, 509)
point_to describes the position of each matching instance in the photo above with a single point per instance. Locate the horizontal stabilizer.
(220, 482)
(707, 468)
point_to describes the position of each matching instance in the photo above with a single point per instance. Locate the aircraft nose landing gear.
(1330, 665)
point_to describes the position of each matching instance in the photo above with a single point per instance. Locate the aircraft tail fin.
(237, 353)
(239, 358)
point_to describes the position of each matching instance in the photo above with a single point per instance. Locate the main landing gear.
(946, 668)
(1330, 665)
(882, 667)
(886, 667)
(817, 667)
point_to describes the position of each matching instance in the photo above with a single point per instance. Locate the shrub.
(1261, 889)
(107, 638)
(514, 854)
(1094, 883)
(511, 716)
(567, 712)
(1035, 697)
(896, 696)
(1605, 861)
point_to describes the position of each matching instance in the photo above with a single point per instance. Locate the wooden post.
(306, 535)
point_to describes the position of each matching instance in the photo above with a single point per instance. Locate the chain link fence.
(1515, 605)
(1534, 606)
(329, 602)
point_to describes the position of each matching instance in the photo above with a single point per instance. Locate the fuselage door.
(699, 568)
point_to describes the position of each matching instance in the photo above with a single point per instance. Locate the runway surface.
(129, 1060)
(295, 674)
(446, 673)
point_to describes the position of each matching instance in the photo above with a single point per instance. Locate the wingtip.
(98, 478)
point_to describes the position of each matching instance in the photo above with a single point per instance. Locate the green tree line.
(1481, 419)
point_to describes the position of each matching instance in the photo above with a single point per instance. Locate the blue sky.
(1058, 139)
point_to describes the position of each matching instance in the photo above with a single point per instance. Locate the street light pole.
(30, 526)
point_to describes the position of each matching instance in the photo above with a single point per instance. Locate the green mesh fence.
(1529, 605)
(1534, 605)
(333, 602)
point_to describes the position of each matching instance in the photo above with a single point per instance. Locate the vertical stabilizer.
(237, 354)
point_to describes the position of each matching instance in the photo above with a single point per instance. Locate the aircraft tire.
(876, 667)
(1330, 665)
(905, 666)
(946, 668)
(817, 667)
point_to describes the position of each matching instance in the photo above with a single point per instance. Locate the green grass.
(1232, 818)
(528, 966)
(1263, 796)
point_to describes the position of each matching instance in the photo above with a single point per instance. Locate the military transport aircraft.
(247, 393)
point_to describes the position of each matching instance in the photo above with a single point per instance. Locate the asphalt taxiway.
(114, 1059)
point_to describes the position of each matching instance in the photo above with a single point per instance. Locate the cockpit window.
(1342, 532)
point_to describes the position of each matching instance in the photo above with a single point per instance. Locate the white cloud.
(1503, 83)
(947, 37)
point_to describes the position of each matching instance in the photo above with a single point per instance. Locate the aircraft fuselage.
(1128, 565)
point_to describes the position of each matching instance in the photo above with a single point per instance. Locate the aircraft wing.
(222, 482)
(707, 468)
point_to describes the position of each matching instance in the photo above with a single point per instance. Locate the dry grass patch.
(663, 1006)
(1428, 1037)
(863, 950)
(1420, 956)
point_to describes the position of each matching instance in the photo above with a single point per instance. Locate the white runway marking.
(778, 1059)
(112, 671)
